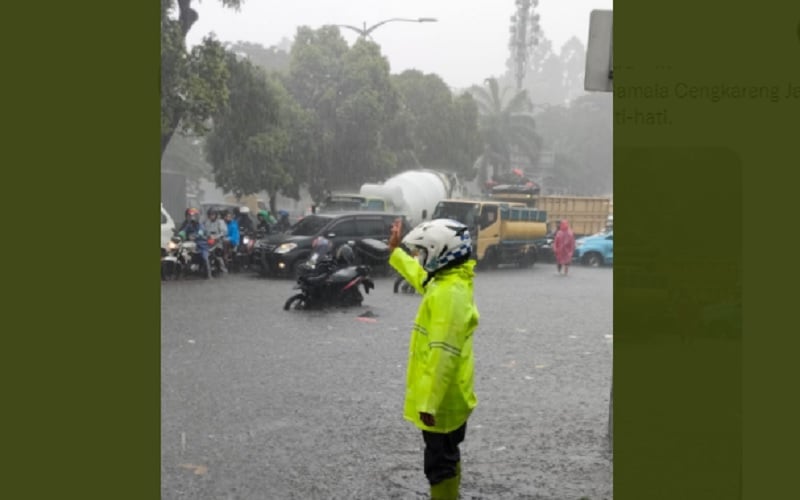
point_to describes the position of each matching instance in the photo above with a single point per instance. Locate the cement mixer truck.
(413, 193)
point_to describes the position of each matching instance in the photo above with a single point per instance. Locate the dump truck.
(502, 232)
(587, 215)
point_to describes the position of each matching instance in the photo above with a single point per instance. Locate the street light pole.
(365, 31)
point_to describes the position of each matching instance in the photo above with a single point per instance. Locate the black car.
(281, 254)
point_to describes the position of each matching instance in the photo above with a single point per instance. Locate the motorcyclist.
(216, 229)
(321, 255)
(193, 230)
(234, 238)
(283, 224)
(265, 221)
(245, 222)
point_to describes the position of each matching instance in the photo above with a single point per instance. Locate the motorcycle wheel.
(168, 271)
(352, 298)
(298, 301)
(401, 285)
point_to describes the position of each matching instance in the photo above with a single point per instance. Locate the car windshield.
(309, 225)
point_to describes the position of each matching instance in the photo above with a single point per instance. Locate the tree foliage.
(192, 82)
(441, 131)
(506, 126)
(253, 145)
(349, 95)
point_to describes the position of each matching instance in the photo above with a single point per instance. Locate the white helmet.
(440, 242)
(244, 210)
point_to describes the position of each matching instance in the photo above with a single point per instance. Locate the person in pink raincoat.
(563, 247)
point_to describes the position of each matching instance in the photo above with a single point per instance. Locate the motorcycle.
(242, 257)
(322, 283)
(216, 256)
(181, 258)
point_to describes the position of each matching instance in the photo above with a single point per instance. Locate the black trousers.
(442, 453)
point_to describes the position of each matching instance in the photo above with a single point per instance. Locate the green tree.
(506, 127)
(192, 82)
(253, 145)
(348, 92)
(441, 131)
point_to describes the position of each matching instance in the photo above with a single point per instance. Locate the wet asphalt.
(262, 403)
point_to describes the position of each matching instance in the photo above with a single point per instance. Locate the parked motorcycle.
(323, 284)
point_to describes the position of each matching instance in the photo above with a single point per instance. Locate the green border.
(706, 418)
(82, 358)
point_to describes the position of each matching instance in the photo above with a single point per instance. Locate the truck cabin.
(480, 215)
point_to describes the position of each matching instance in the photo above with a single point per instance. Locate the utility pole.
(524, 32)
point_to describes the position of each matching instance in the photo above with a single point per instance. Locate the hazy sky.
(467, 44)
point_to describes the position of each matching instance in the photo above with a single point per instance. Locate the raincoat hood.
(564, 225)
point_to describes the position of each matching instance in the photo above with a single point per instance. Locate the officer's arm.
(409, 268)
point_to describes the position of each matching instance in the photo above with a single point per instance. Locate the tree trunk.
(272, 202)
(187, 17)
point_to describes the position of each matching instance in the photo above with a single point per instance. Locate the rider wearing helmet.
(322, 246)
(265, 220)
(283, 224)
(218, 230)
(245, 222)
(439, 380)
(215, 226)
(192, 229)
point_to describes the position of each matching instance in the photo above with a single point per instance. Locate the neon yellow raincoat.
(439, 378)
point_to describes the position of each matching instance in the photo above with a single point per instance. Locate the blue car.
(595, 250)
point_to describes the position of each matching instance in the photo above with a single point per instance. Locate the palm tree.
(506, 127)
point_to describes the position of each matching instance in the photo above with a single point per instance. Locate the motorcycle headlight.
(246, 240)
(285, 248)
(172, 245)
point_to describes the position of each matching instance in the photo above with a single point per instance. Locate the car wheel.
(593, 259)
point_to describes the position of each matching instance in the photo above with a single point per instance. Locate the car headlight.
(285, 248)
